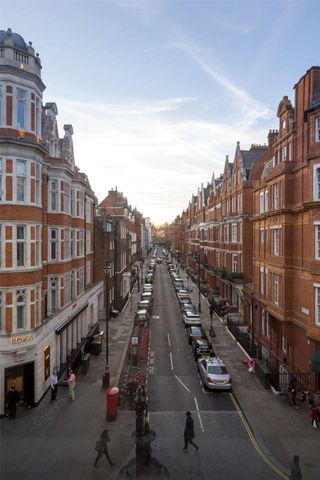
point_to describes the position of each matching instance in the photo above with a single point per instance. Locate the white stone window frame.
(57, 240)
(316, 182)
(284, 344)
(261, 235)
(276, 241)
(57, 192)
(317, 304)
(52, 310)
(276, 196)
(317, 130)
(262, 206)
(234, 232)
(2, 311)
(262, 282)
(276, 280)
(2, 192)
(235, 262)
(316, 227)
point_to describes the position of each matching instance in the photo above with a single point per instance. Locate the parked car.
(142, 317)
(149, 278)
(188, 307)
(178, 286)
(147, 296)
(147, 304)
(195, 332)
(182, 292)
(159, 260)
(148, 287)
(183, 300)
(191, 318)
(214, 374)
(201, 348)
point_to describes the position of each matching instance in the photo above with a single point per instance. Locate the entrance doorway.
(22, 377)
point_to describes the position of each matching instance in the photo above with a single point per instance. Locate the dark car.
(201, 348)
(195, 332)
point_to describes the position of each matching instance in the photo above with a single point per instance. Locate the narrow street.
(174, 387)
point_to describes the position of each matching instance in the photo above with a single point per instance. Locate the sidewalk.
(280, 430)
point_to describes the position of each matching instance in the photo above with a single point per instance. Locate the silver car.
(191, 318)
(214, 374)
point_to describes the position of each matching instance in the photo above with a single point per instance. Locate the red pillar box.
(112, 394)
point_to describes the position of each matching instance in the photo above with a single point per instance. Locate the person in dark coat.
(102, 448)
(12, 400)
(211, 311)
(295, 470)
(189, 433)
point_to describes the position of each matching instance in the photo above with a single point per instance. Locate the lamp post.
(106, 375)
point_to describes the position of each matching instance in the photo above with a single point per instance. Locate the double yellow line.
(253, 440)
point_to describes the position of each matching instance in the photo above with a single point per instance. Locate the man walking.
(189, 432)
(12, 400)
(102, 448)
(71, 384)
(54, 385)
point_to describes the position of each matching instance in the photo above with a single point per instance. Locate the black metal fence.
(242, 337)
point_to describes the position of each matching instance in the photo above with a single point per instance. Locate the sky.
(159, 91)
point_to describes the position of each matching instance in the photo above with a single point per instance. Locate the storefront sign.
(20, 339)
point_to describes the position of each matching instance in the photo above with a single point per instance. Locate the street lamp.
(106, 375)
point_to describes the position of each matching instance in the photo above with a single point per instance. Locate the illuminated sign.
(20, 339)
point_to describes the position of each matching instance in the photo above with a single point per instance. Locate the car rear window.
(217, 370)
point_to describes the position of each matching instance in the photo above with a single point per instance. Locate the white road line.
(171, 361)
(199, 416)
(185, 386)
(169, 340)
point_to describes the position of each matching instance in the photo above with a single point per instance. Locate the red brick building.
(48, 298)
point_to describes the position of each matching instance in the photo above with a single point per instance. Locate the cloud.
(157, 159)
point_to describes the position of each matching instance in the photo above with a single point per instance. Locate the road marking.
(253, 440)
(185, 386)
(199, 416)
(169, 340)
(156, 317)
(171, 361)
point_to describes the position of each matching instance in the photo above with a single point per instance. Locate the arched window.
(21, 309)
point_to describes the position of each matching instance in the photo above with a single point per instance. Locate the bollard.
(295, 473)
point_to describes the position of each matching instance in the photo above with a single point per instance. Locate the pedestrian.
(54, 385)
(316, 401)
(189, 432)
(293, 393)
(211, 311)
(295, 469)
(71, 383)
(102, 448)
(12, 400)
(314, 415)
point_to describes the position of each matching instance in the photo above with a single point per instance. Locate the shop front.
(22, 377)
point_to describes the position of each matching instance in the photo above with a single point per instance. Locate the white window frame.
(234, 262)
(276, 288)
(317, 130)
(234, 232)
(261, 235)
(262, 289)
(316, 240)
(284, 344)
(316, 182)
(53, 194)
(276, 239)
(317, 304)
(276, 196)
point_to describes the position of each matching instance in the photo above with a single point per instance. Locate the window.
(88, 211)
(317, 304)
(67, 288)
(88, 241)
(225, 233)
(316, 182)
(53, 195)
(276, 241)
(72, 203)
(261, 235)
(1, 313)
(81, 280)
(81, 242)
(284, 153)
(317, 130)
(53, 248)
(37, 307)
(21, 180)
(38, 246)
(66, 243)
(73, 285)
(284, 344)
(276, 196)
(1, 176)
(266, 282)
(73, 244)
(88, 272)
(0, 246)
(261, 202)
(290, 151)
(38, 116)
(38, 185)
(21, 108)
(276, 288)
(234, 262)
(265, 323)
(234, 232)
(262, 280)
(66, 197)
(20, 309)
(0, 104)
(21, 246)
(53, 296)
(266, 201)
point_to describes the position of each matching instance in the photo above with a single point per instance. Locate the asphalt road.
(174, 387)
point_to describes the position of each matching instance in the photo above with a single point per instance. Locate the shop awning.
(315, 367)
(70, 319)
